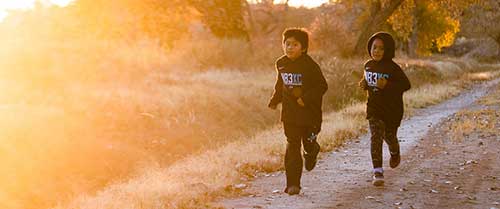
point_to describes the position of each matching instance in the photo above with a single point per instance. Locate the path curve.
(348, 169)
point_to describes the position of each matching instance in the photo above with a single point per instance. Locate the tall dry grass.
(482, 122)
(86, 114)
(197, 180)
(468, 122)
(185, 183)
(96, 111)
(94, 97)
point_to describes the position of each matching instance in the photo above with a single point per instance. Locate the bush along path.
(450, 159)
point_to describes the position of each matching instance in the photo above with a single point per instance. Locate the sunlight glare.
(61, 3)
(26, 4)
(3, 14)
(304, 3)
(20, 4)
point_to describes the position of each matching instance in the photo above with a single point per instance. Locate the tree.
(133, 19)
(223, 17)
(427, 26)
(332, 30)
(380, 11)
(481, 20)
(422, 26)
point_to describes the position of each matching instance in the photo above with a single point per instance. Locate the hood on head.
(389, 44)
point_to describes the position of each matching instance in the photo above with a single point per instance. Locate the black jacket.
(385, 104)
(300, 78)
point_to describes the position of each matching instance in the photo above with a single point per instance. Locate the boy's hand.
(363, 84)
(273, 106)
(301, 102)
(381, 82)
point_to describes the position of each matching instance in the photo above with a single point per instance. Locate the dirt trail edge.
(431, 175)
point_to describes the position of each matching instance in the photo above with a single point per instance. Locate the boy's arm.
(319, 86)
(278, 92)
(363, 84)
(399, 82)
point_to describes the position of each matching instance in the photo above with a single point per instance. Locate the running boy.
(300, 86)
(385, 82)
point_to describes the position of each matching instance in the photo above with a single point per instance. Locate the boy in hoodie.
(385, 82)
(300, 86)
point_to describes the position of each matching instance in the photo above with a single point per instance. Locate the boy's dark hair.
(389, 44)
(298, 33)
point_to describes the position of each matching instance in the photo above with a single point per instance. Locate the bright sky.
(305, 3)
(298, 3)
(25, 4)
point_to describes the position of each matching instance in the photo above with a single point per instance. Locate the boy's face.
(292, 48)
(377, 49)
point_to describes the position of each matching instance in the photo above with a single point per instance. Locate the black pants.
(380, 132)
(296, 136)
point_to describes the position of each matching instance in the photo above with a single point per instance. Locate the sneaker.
(395, 160)
(309, 161)
(378, 179)
(292, 190)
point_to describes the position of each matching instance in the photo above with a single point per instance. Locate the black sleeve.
(278, 90)
(398, 83)
(318, 89)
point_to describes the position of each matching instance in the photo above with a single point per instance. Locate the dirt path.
(436, 172)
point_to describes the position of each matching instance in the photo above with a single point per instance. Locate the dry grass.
(483, 121)
(474, 121)
(430, 94)
(486, 120)
(491, 99)
(195, 181)
(97, 113)
(191, 183)
(482, 76)
(108, 114)
(85, 138)
(340, 126)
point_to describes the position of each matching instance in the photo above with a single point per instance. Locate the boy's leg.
(293, 157)
(392, 141)
(311, 150)
(377, 128)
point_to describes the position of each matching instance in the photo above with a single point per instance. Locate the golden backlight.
(135, 103)
(6, 5)
(306, 3)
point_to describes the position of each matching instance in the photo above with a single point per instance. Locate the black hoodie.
(302, 78)
(385, 104)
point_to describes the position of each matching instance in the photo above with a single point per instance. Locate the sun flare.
(25, 4)
(304, 3)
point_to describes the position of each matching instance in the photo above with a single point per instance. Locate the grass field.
(195, 181)
(100, 122)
